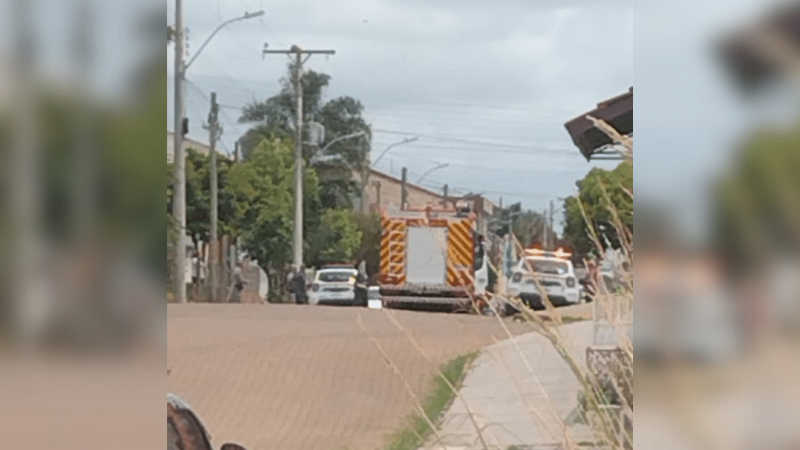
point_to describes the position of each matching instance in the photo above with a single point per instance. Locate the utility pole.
(550, 231)
(298, 143)
(403, 191)
(377, 185)
(214, 132)
(179, 161)
(545, 236)
(366, 165)
(181, 127)
(444, 203)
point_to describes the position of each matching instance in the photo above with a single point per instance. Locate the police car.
(551, 272)
(334, 285)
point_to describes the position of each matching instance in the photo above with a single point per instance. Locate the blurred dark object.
(590, 140)
(185, 431)
(185, 127)
(746, 58)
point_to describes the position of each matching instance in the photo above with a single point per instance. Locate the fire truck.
(432, 259)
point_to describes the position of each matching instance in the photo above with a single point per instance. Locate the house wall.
(391, 193)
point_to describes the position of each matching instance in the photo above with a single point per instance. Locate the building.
(592, 142)
(384, 193)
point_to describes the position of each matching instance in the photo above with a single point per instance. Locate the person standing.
(299, 286)
(361, 287)
(237, 282)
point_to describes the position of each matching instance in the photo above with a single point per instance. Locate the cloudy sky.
(486, 86)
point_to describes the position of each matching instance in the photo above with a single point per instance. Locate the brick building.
(385, 192)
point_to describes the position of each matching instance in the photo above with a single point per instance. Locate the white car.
(334, 286)
(552, 271)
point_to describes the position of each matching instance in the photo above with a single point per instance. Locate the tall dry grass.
(605, 401)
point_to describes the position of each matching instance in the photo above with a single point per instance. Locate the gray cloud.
(529, 66)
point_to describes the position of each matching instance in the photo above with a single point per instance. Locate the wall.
(390, 193)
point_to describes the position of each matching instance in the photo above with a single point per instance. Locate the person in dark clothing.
(360, 289)
(299, 286)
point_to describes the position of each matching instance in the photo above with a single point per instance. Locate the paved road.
(307, 378)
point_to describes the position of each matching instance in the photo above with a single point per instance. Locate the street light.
(440, 166)
(321, 152)
(179, 202)
(222, 25)
(404, 141)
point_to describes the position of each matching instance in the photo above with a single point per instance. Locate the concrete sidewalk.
(518, 403)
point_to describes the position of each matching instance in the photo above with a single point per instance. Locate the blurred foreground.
(82, 324)
(717, 330)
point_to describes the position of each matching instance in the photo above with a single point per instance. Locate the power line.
(473, 142)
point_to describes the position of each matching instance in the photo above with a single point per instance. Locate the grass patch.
(441, 397)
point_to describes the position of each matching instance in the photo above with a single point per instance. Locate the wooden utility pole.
(214, 132)
(297, 77)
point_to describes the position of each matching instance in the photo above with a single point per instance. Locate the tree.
(370, 248)
(198, 197)
(274, 118)
(606, 197)
(755, 207)
(532, 228)
(335, 239)
(529, 227)
(263, 188)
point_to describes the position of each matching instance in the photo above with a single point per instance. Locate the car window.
(336, 276)
(547, 266)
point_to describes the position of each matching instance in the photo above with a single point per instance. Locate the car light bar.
(560, 254)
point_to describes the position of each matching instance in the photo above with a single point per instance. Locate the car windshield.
(547, 266)
(336, 276)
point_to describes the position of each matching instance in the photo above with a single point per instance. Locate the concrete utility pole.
(550, 231)
(403, 191)
(298, 143)
(377, 185)
(179, 161)
(365, 173)
(214, 132)
(444, 202)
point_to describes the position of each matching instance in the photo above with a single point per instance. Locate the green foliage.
(530, 227)
(370, 248)
(340, 116)
(198, 197)
(756, 206)
(263, 189)
(600, 192)
(414, 435)
(336, 238)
